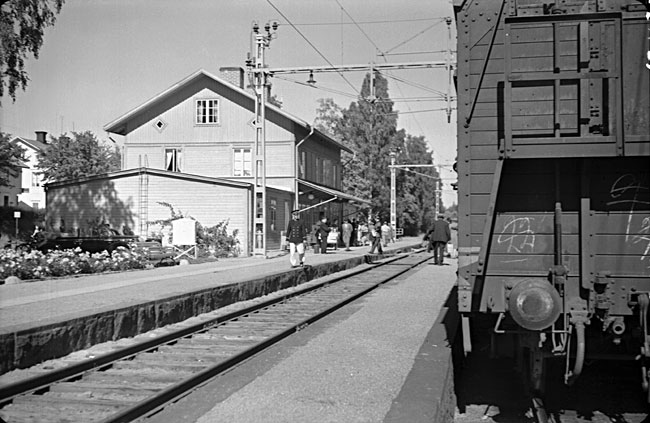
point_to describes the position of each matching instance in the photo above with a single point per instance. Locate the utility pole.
(257, 67)
(393, 189)
(393, 194)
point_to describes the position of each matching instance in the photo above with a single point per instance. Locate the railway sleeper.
(120, 380)
(142, 376)
(203, 354)
(27, 416)
(173, 357)
(217, 340)
(152, 366)
(253, 333)
(56, 403)
(83, 389)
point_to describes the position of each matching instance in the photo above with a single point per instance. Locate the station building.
(191, 147)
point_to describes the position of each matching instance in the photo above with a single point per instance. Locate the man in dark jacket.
(439, 235)
(296, 235)
(322, 233)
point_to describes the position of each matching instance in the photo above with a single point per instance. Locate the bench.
(154, 251)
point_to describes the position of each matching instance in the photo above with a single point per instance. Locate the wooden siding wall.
(178, 112)
(117, 201)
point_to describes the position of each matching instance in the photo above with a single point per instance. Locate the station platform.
(384, 358)
(47, 319)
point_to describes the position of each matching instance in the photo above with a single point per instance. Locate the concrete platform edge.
(428, 395)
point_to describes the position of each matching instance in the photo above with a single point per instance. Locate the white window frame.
(206, 111)
(173, 159)
(242, 162)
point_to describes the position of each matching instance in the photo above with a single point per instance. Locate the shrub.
(36, 265)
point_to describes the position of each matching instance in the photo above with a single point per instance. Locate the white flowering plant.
(34, 265)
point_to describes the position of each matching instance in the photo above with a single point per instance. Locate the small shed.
(129, 200)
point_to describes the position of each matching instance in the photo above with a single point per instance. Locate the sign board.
(16, 215)
(184, 231)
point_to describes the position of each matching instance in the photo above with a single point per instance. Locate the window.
(273, 212)
(35, 206)
(36, 182)
(335, 174)
(242, 162)
(173, 159)
(301, 165)
(207, 112)
(319, 170)
(6, 200)
(327, 172)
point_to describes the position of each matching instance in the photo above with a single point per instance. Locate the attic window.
(207, 112)
(160, 124)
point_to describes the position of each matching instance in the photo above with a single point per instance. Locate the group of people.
(351, 235)
(437, 237)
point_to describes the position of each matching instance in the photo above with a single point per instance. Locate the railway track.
(123, 385)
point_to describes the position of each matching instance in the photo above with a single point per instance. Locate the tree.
(328, 116)
(11, 158)
(369, 127)
(80, 156)
(22, 24)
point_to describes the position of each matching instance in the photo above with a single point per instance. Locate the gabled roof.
(150, 171)
(36, 145)
(118, 126)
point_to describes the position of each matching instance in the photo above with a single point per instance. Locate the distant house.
(203, 127)
(29, 186)
(9, 193)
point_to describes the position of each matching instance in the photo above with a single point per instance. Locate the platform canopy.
(326, 194)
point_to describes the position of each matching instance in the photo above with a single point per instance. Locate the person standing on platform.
(386, 233)
(375, 234)
(322, 233)
(347, 234)
(355, 231)
(439, 235)
(296, 235)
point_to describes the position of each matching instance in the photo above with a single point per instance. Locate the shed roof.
(150, 171)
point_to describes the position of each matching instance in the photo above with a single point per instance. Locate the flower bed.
(37, 265)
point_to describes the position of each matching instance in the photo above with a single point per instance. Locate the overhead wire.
(313, 46)
(317, 87)
(366, 22)
(380, 51)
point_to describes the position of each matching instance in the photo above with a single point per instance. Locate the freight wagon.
(554, 180)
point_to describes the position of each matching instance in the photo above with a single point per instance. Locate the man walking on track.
(296, 235)
(439, 235)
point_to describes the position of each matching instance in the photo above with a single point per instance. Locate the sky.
(103, 58)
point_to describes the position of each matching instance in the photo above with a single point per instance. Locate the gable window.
(207, 112)
(242, 162)
(173, 159)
